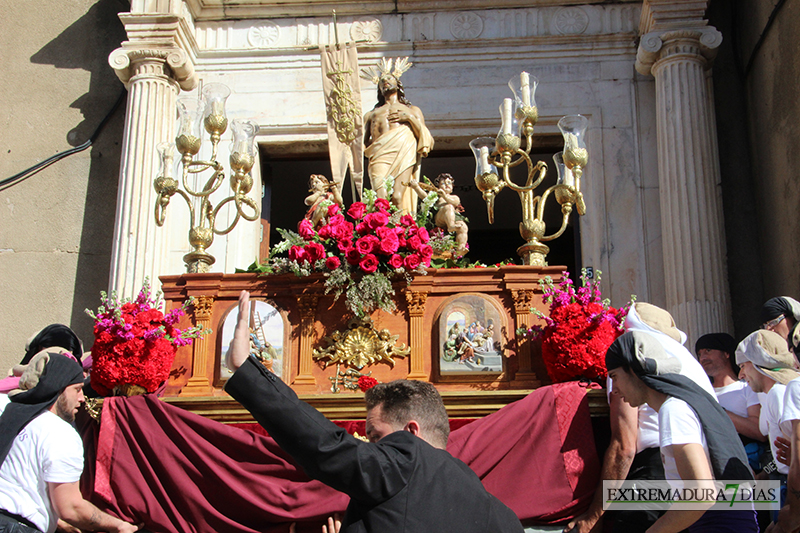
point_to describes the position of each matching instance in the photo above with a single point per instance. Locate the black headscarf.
(59, 373)
(719, 341)
(780, 305)
(54, 335)
(645, 357)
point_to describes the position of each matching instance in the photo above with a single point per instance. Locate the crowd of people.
(729, 412)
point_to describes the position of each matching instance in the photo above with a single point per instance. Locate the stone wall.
(758, 108)
(56, 227)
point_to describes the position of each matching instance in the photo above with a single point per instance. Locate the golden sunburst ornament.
(360, 345)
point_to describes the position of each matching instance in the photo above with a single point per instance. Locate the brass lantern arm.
(161, 206)
(213, 183)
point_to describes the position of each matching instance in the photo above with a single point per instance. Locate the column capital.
(170, 63)
(157, 45)
(699, 44)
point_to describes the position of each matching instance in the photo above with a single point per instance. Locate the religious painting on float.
(267, 337)
(470, 333)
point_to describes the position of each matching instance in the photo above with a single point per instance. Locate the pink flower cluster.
(370, 240)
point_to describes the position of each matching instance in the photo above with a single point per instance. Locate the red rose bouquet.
(135, 343)
(580, 328)
(360, 251)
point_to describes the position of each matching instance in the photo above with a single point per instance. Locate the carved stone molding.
(571, 21)
(202, 308)
(466, 25)
(265, 35)
(523, 300)
(416, 302)
(366, 30)
(692, 44)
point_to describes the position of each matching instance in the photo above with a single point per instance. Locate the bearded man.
(41, 453)
(396, 137)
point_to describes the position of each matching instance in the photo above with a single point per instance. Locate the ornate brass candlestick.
(505, 152)
(188, 142)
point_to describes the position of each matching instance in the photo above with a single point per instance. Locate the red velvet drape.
(179, 473)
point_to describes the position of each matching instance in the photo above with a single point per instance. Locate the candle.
(217, 108)
(508, 112)
(483, 166)
(569, 178)
(525, 88)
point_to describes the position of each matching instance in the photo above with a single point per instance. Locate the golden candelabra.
(193, 115)
(504, 152)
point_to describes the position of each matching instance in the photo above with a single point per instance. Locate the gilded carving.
(523, 300)
(360, 345)
(308, 305)
(202, 308)
(416, 302)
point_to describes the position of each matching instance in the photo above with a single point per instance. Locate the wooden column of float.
(308, 312)
(199, 383)
(310, 315)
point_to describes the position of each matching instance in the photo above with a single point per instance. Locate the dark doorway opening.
(285, 178)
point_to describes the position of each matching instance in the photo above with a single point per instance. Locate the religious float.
(371, 292)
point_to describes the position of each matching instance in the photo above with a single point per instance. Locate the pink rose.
(406, 220)
(423, 235)
(396, 261)
(352, 256)
(382, 204)
(412, 261)
(315, 251)
(357, 210)
(367, 244)
(306, 229)
(333, 209)
(298, 254)
(325, 232)
(376, 220)
(362, 228)
(332, 263)
(426, 251)
(388, 243)
(344, 245)
(336, 219)
(414, 242)
(369, 264)
(344, 230)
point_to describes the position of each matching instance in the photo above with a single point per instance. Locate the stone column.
(678, 55)
(154, 69)
(199, 383)
(308, 312)
(416, 325)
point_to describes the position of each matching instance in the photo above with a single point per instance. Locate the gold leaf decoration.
(360, 345)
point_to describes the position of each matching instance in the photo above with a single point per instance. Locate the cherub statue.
(321, 190)
(447, 208)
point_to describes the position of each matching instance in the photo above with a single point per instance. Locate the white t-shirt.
(47, 450)
(791, 406)
(690, 367)
(678, 424)
(770, 420)
(737, 397)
